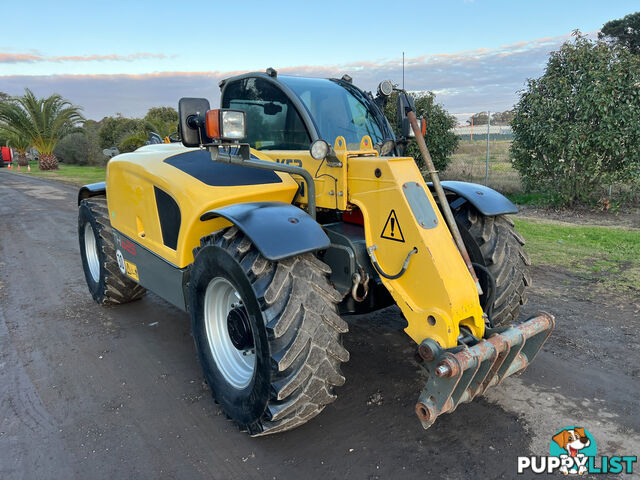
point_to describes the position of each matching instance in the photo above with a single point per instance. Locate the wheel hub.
(91, 252)
(239, 328)
(229, 333)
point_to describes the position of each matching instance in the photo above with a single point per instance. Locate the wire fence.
(471, 163)
(484, 162)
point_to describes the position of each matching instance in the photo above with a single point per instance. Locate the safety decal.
(392, 230)
(128, 246)
(132, 270)
(120, 260)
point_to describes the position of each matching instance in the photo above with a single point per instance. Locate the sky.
(126, 56)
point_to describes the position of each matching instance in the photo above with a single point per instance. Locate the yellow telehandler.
(290, 206)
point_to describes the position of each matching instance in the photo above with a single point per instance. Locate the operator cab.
(289, 113)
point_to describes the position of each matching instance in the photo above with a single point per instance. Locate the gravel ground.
(94, 392)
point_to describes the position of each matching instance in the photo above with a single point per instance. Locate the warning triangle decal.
(392, 230)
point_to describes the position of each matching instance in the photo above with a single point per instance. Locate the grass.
(76, 174)
(608, 254)
(468, 163)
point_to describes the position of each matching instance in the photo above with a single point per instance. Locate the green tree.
(623, 31)
(19, 143)
(114, 129)
(502, 118)
(440, 140)
(94, 152)
(4, 136)
(478, 119)
(579, 124)
(73, 149)
(44, 121)
(160, 120)
(162, 115)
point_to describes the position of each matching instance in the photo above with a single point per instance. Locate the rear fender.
(278, 230)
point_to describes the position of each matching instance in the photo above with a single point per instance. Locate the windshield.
(335, 110)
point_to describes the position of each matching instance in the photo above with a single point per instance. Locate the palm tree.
(43, 121)
(20, 143)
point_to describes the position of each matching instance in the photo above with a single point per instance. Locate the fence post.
(486, 172)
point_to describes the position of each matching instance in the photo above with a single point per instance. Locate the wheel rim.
(91, 251)
(229, 333)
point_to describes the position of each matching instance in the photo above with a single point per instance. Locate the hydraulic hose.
(378, 268)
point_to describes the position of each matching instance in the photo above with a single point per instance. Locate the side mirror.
(191, 116)
(272, 108)
(405, 105)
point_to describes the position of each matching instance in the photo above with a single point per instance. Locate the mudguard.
(92, 190)
(278, 230)
(486, 200)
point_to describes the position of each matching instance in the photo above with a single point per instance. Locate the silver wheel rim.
(91, 251)
(236, 365)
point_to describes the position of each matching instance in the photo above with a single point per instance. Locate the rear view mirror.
(271, 108)
(405, 105)
(191, 116)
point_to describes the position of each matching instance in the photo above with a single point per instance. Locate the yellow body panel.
(437, 283)
(330, 181)
(132, 204)
(436, 294)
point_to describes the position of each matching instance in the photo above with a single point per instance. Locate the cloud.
(468, 81)
(33, 58)
(19, 58)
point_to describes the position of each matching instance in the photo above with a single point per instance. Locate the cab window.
(273, 123)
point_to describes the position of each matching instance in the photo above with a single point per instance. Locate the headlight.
(225, 124)
(233, 125)
(385, 88)
(319, 149)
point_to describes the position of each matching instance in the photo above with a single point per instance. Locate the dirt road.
(92, 392)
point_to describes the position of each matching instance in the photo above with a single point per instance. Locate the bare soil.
(626, 218)
(92, 392)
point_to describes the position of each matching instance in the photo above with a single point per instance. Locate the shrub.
(73, 149)
(578, 126)
(440, 140)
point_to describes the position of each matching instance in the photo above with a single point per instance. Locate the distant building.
(479, 132)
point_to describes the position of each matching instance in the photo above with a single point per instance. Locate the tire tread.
(118, 289)
(503, 251)
(304, 330)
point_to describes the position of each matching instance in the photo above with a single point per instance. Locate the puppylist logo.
(573, 450)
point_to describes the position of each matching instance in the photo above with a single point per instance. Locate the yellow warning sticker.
(392, 230)
(131, 270)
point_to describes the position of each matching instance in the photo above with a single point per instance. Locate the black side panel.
(169, 214)
(92, 190)
(199, 165)
(154, 273)
(279, 230)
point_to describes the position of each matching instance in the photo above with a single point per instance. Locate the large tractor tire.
(494, 243)
(267, 333)
(106, 282)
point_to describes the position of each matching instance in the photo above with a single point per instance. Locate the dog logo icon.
(573, 445)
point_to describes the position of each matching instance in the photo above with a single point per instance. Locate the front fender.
(486, 200)
(92, 190)
(278, 230)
